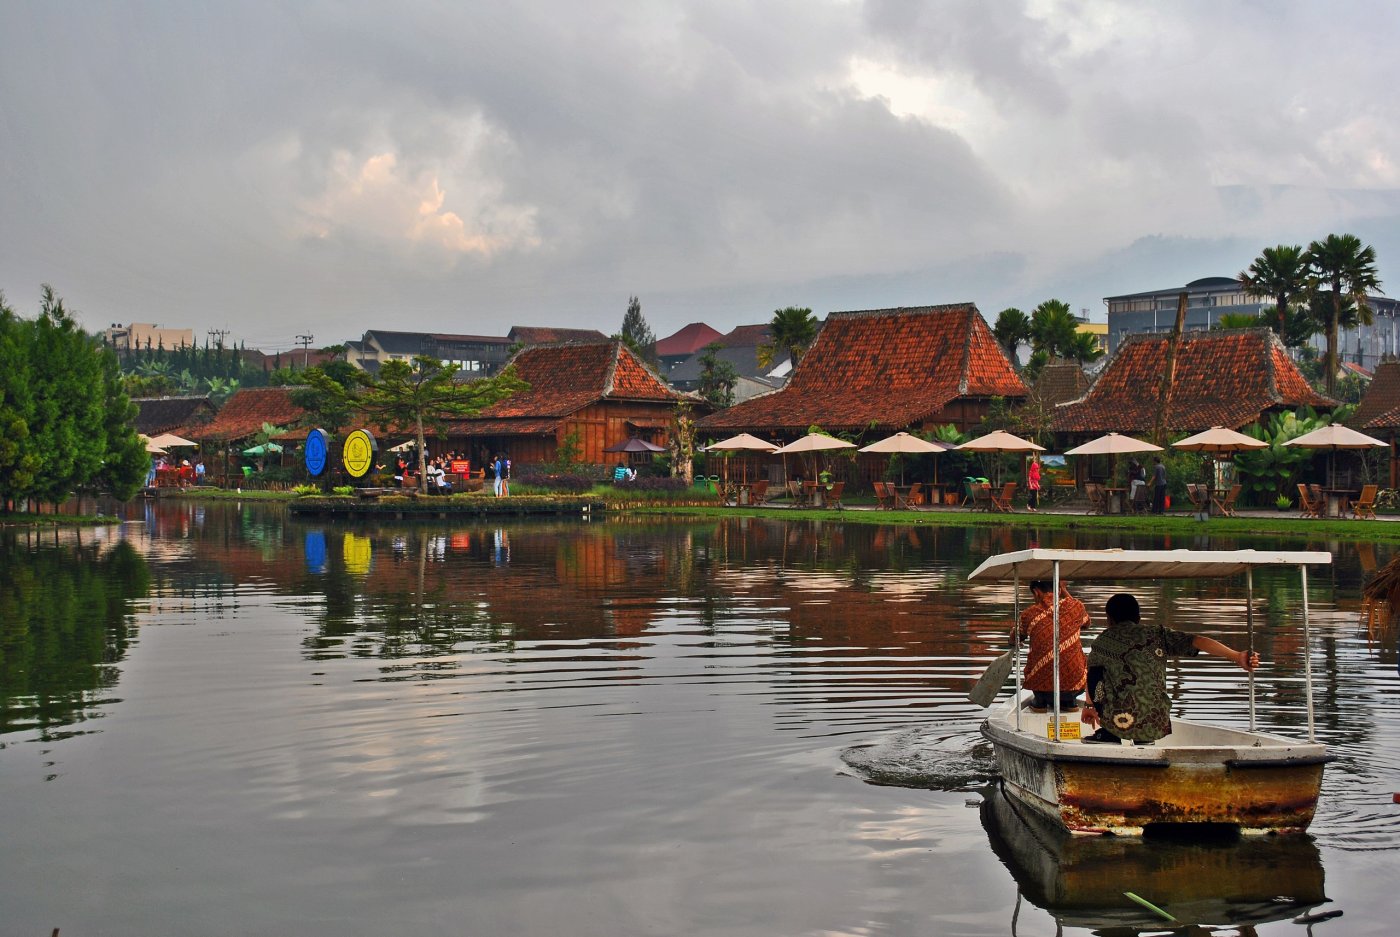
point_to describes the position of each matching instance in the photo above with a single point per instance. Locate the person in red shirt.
(1037, 623)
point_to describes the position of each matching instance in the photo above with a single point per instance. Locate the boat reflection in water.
(1215, 881)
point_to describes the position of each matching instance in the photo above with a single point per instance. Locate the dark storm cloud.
(332, 167)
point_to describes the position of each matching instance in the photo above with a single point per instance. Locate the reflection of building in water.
(1080, 880)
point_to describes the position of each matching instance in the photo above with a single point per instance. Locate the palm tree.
(1278, 273)
(1053, 327)
(1348, 268)
(793, 330)
(1236, 320)
(1085, 348)
(1013, 329)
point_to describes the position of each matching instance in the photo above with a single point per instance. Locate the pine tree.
(635, 331)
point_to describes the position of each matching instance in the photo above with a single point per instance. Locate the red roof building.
(599, 393)
(1225, 378)
(1378, 413)
(686, 342)
(244, 414)
(894, 368)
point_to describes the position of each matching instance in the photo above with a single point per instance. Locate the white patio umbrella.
(1332, 438)
(814, 442)
(151, 446)
(171, 441)
(1000, 441)
(1218, 440)
(744, 442)
(1113, 444)
(904, 443)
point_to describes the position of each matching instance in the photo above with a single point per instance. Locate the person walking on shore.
(1033, 483)
(1159, 486)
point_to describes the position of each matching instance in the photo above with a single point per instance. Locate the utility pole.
(305, 342)
(218, 336)
(1164, 399)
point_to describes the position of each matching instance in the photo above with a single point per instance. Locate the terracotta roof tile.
(746, 336)
(1059, 382)
(247, 410)
(566, 378)
(1223, 378)
(156, 415)
(891, 367)
(545, 335)
(1380, 405)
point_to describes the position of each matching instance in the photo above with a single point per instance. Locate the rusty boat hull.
(1200, 774)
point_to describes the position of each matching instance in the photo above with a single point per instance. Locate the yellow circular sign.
(358, 453)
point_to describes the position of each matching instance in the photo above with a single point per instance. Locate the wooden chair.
(884, 500)
(1227, 506)
(914, 497)
(1198, 495)
(1098, 500)
(982, 498)
(1307, 505)
(833, 496)
(1365, 505)
(1002, 501)
(758, 492)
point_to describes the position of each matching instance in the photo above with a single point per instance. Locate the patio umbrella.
(1332, 438)
(741, 443)
(1000, 441)
(171, 441)
(814, 442)
(404, 446)
(263, 449)
(904, 443)
(1112, 445)
(634, 445)
(151, 446)
(1218, 440)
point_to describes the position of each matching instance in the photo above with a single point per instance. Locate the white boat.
(1200, 773)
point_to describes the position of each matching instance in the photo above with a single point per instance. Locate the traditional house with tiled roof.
(1230, 378)
(548, 335)
(1378, 413)
(886, 369)
(596, 394)
(244, 414)
(178, 415)
(1060, 382)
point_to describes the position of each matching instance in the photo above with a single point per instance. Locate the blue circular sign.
(316, 447)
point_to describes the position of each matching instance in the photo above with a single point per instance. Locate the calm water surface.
(221, 720)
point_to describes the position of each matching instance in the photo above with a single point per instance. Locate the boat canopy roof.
(1039, 563)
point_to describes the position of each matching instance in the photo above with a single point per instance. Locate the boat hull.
(1257, 782)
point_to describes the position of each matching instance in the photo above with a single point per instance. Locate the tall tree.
(1281, 274)
(1012, 330)
(717, 377)
(1348, 269)
(635, 331)
(1084, 349)
(1053, 327)
(18, 459)
(792, 329)
(66, 384)
(125, 461)
(425, 394)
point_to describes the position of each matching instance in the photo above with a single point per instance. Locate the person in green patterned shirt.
(1128, 674)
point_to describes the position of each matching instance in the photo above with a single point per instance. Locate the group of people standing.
(1137, 477)
(1124, 672)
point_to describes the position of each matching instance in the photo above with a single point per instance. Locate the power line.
(305, 342)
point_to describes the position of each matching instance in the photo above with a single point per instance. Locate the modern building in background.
(1210, 298)
(143, 336)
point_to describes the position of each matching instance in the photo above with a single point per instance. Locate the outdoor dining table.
(1338, 501)
(813, 494)
(901, 496)
(1117, 499)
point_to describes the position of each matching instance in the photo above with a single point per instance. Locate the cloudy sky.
(465, 166)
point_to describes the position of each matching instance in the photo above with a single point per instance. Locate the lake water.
(217, 719)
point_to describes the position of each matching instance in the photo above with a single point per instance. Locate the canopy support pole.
(1307, 653)
(1055, 646)
(1249, 624)
(1016, 636)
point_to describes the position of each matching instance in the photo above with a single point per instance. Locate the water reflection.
(1226, 882)
(65, 622)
